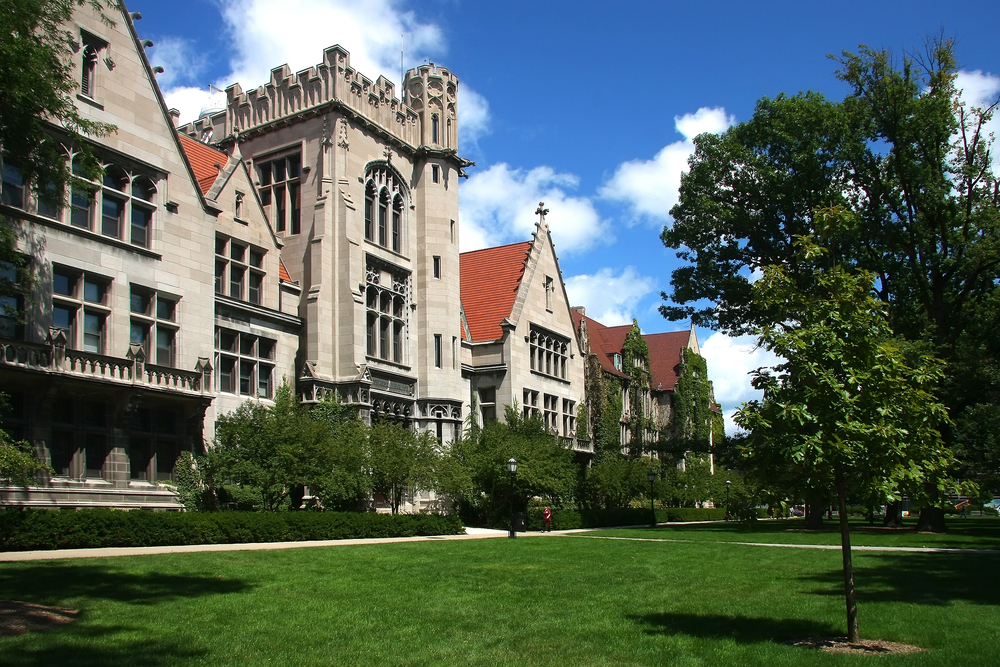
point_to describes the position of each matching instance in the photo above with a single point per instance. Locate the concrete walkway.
(470, 534)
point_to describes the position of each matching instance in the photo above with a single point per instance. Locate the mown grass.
(549, 600)
(969, 533)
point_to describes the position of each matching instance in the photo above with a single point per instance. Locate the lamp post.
(651, 475)
(728, 484)
(512, 468)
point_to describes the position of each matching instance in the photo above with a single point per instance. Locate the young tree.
(844, 411)
(400, 460)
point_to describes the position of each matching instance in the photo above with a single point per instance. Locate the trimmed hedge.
(27, 529)
(570, 519)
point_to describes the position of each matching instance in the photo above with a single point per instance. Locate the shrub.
(572, 519)
(27, 529)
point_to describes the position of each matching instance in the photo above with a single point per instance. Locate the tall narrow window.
(437, 266)
(452, 231)
(383, 206)
(437, 350)
(434, 130)
(549, 288)
(435, 173)
(454, 352)
(397, 214)
(370, 211)
(88, 67)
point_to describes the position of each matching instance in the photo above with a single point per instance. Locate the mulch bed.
(862, 647)
(18, 618)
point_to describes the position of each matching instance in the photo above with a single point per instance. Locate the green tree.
(37, 51)
(615, 481)
(270, 448)
(400, 460)
(913, 164)
(18, 463)
(343, 481)
(845, 411)
(545, 467)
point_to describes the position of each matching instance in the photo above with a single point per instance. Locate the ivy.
(692, 421)
(635, 363)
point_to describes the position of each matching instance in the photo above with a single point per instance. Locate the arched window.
(385, 207)
(387, 295)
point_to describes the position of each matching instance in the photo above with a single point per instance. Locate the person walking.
(547, 520)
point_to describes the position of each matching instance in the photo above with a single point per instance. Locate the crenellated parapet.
(425, 118)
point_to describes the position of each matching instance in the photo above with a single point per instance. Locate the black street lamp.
(728, 484)
(512, 467)
(651, 475)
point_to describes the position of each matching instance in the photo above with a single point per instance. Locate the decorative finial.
(388, 154)
(541, 211)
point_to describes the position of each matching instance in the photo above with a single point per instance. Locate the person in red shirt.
(547, 518)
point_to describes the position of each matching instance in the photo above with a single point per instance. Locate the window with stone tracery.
(548, 353)
(385, 206)
(387, 302)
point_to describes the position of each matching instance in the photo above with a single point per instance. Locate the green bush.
(632, 516)
(26, 529)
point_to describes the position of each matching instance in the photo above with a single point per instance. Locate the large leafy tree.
(901, 151)
(911, 161)
(845, 411)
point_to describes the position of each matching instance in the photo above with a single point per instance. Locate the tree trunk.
(845, 549)
(893, 515)
(931, 520)
(814, 515)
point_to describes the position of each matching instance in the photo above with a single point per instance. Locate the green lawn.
(970, 533)
(549, 600)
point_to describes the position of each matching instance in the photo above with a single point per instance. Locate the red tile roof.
(604, 341)
(283, 272)
(203, 161)
(664, 349)
(490, 280)
(665, 357)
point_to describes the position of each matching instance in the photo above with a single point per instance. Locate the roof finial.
(540, 212)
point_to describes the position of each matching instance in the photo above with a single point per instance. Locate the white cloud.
(188, 101)
(981, 90)
(498, 206)
(730, 361)
(649, 187)
(179, 58)
(257, 34)
(609, 299)
(473, 117)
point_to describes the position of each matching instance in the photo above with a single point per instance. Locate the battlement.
(426, 116)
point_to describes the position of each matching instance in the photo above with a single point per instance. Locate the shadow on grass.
(55, 583)
(87, 647)
(930, 579)
(742, 629)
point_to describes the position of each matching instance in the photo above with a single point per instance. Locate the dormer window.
(617, 360)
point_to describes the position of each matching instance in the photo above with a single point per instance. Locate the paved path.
(470, 534)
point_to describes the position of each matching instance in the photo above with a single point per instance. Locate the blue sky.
(588, 106)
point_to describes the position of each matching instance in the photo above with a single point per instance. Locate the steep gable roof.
(604, 341)
(490, 279)
(206, 163)
(665, 357)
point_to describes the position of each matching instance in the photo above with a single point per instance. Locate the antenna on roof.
(400, 66)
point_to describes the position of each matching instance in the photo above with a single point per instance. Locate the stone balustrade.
(54, 357)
